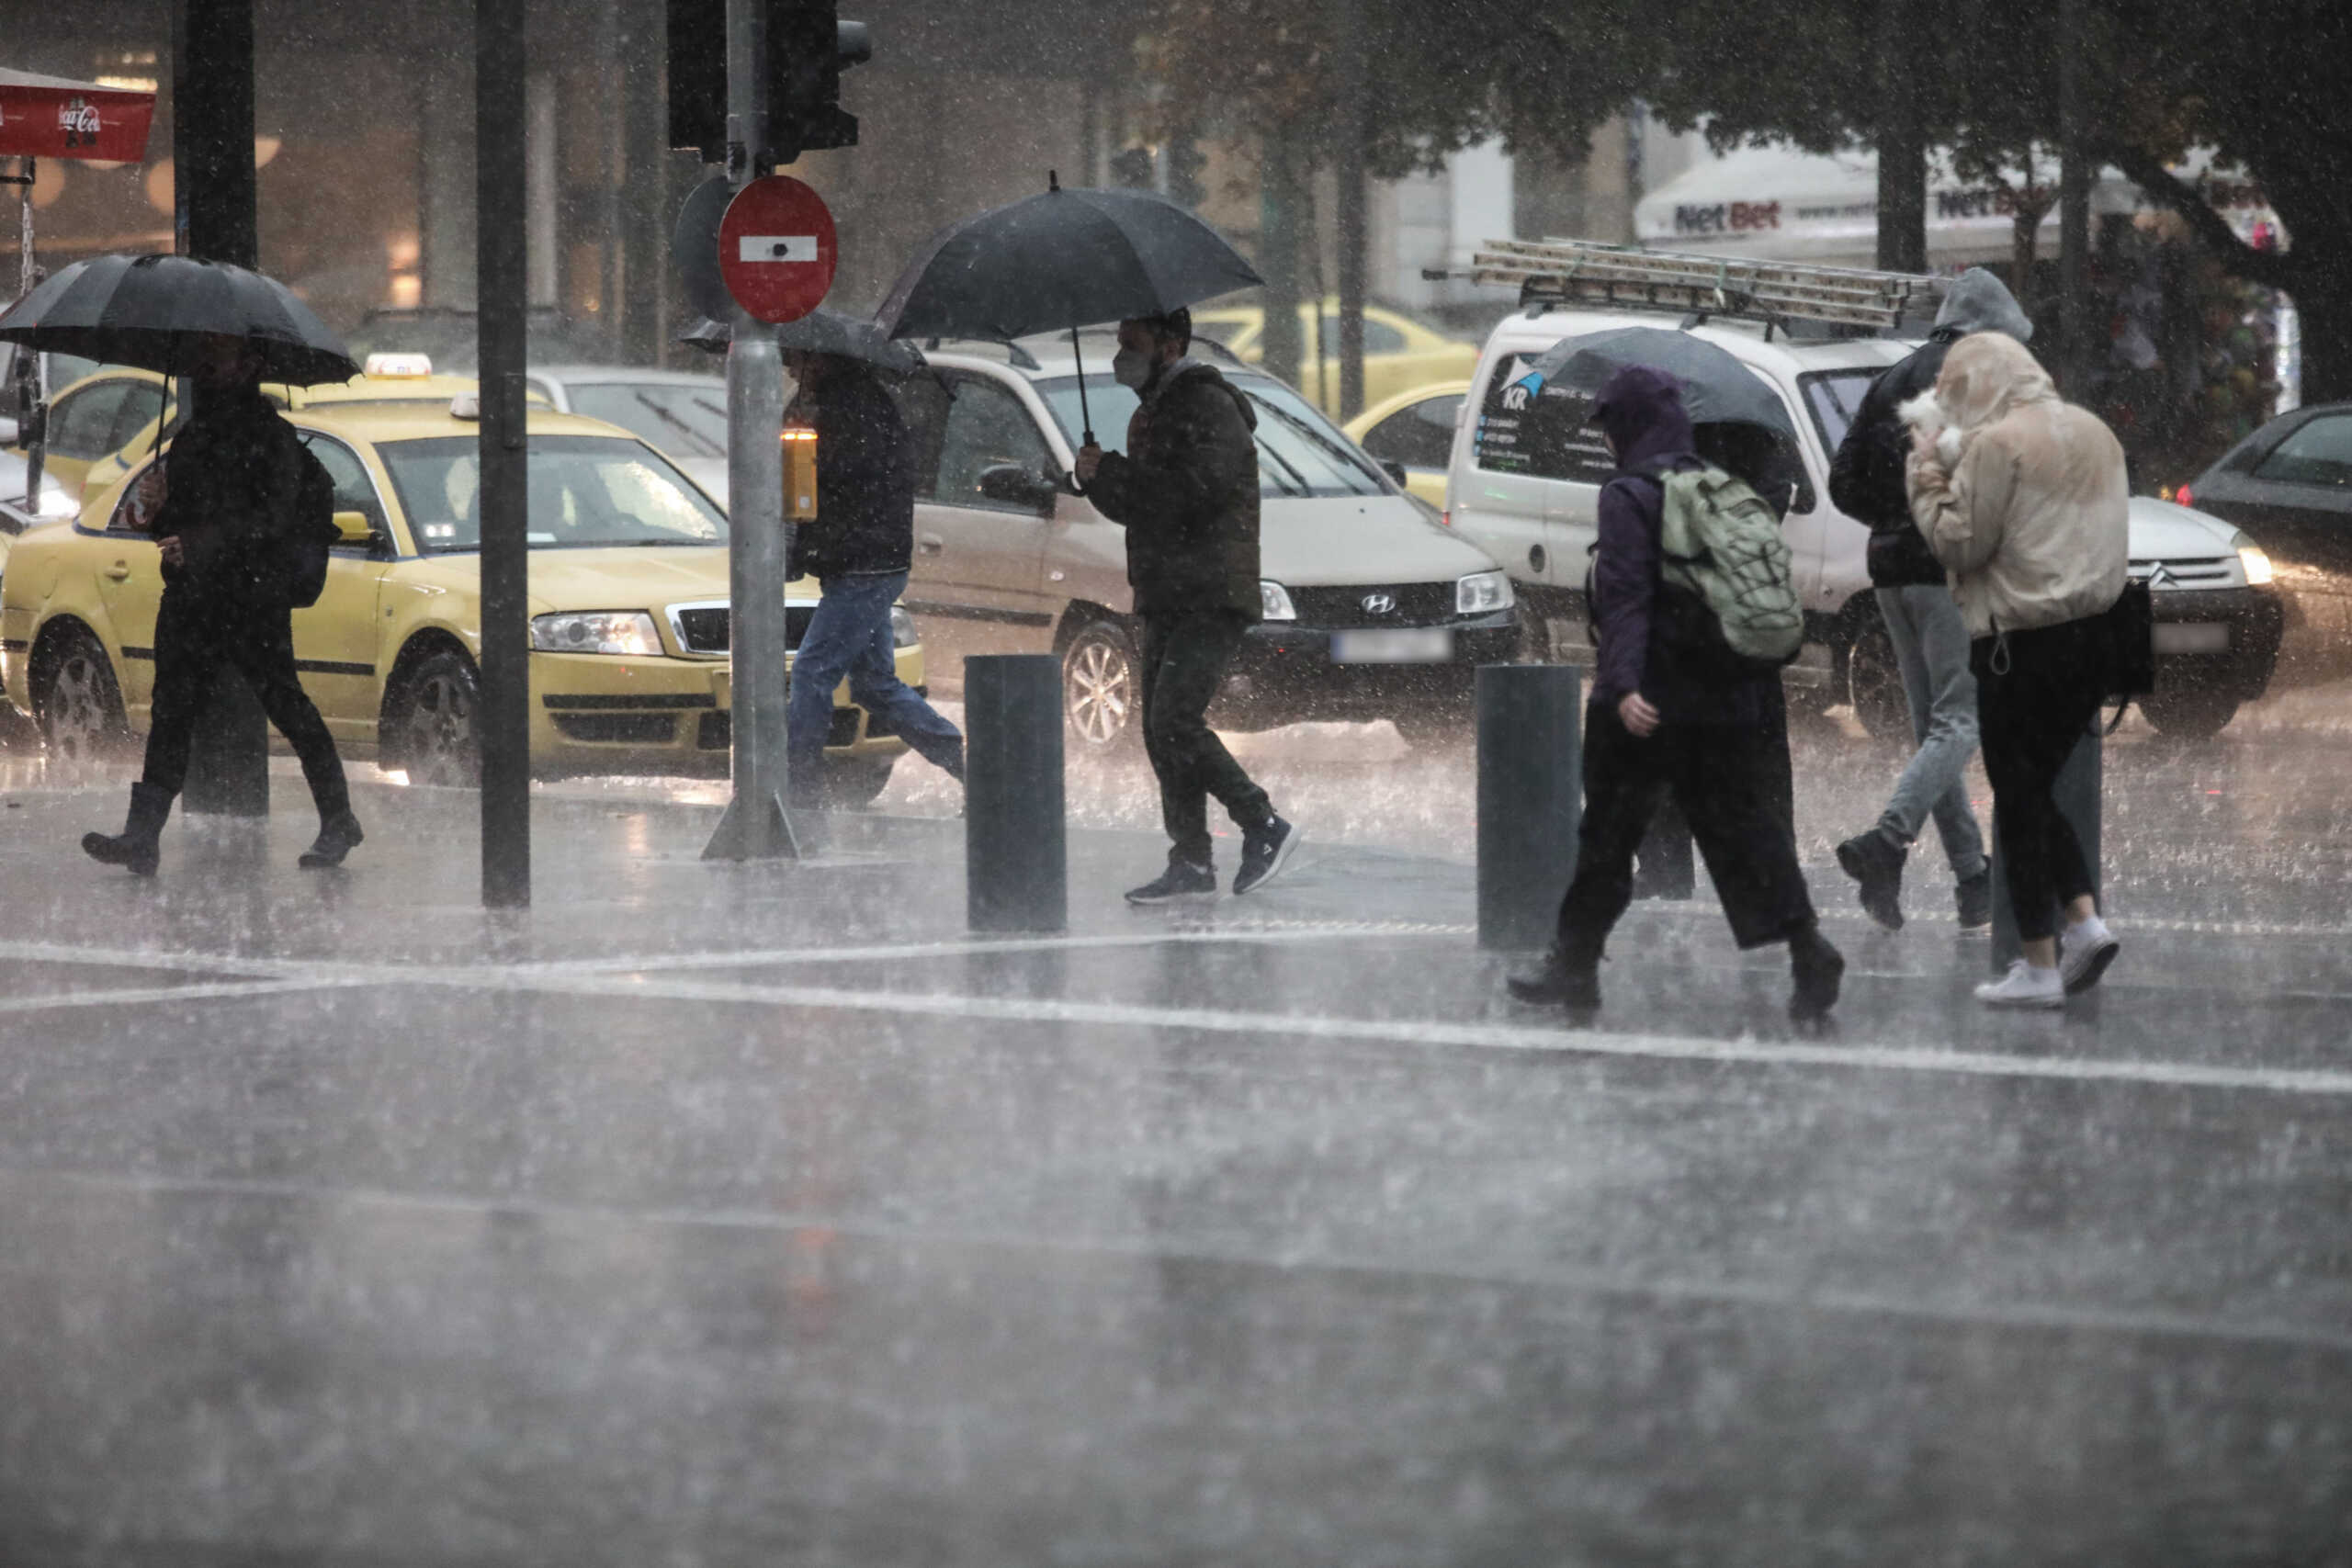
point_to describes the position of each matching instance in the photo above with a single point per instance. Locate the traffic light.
(808, 47)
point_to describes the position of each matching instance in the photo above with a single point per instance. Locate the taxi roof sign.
(397, 366)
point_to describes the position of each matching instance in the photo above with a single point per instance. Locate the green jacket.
(1186, 490)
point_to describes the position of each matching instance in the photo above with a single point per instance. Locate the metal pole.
(1902, 145)
(1016, 863)
(2073, 207)
(1529, 799)
(757, 825)
(500, 260)
(2078, 794)
(1355, 89)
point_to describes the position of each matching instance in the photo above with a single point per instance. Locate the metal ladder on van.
(1587, 271)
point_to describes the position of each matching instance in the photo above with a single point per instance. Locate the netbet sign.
(1726, 217)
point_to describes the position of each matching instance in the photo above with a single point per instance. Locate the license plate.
(2192, 636)
(1417, 645)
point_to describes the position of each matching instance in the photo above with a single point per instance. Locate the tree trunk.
(1902, 146)
(1282, 203)
(2326, 312)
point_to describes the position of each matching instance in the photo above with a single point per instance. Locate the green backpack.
(1728, 605)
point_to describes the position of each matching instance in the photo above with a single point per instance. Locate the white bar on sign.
(775, 248)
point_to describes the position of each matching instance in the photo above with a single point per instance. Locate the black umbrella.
(821, 331)
(148, 312)
(1068, 258)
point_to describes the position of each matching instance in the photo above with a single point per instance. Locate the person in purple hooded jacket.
(1657, 724)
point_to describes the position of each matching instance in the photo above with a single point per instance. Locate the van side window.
(1539, 432)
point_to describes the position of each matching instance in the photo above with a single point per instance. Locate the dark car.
(2289, 485)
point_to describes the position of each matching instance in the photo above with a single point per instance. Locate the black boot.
(339, 834)
(1816, 969)
(137, 847)
(1974, 896)
(1559, 981)
(1875, 860)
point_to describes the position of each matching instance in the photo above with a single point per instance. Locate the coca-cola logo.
(78, 118)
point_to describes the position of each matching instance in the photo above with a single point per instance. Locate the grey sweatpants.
(1931, 652)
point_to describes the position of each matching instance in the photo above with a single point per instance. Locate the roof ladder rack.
(1587, 271)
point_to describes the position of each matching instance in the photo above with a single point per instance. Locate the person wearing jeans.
(858, 546)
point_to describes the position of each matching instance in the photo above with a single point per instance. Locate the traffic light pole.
(757, 825)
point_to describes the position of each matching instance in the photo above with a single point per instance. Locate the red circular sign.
(777, 249)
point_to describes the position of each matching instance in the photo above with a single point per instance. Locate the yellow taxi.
(1411, 436)
(1399, 352)
(629, 603)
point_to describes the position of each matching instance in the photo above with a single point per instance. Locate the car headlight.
(597, 631)
(1482, 593)
(1274, 602)
(2252, 557)
(902, 627)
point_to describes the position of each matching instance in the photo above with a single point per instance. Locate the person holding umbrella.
(1186, 490)
(224, 505)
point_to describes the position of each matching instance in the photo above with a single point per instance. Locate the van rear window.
(1544, 434)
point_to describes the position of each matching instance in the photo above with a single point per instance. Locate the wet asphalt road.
(720, 1216)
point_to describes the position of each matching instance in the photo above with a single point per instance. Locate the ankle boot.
(137, 847)
(339, 834)
(1816, 969)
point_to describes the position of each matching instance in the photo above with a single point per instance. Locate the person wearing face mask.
(1186, 492)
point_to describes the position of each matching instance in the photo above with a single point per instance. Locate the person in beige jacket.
(2023, 498)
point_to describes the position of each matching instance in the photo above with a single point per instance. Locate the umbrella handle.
(1085, 415)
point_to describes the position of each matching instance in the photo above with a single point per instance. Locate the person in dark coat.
(859, 547)
(1866, 481)
(1186, 490)
(1660, 724)
(223, 506)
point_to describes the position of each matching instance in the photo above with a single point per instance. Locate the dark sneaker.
(1264, 851)
(1816, 970)
(1180, 880)
(338, 835)
(1557, 982)
(1975, 895)
(1875, 861)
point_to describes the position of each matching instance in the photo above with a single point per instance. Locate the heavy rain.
(1174, 782)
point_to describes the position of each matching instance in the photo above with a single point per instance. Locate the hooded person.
(2024, 500)
(1661, 723)
(1186, 492)
(1866, 481)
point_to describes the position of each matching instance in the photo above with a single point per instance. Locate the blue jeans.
(849, 636)
(1931, 652)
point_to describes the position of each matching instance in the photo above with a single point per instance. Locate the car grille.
(1417, 605)
(703, 628)
(629, 729)
(2195, 572)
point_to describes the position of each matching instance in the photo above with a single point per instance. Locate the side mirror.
(354, 527)
(1395, 471)
(1016, 486)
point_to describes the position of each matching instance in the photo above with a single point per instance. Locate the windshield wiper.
(1341, 456)
(675, 423)
(1298, 485)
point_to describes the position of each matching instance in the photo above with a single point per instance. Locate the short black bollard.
(2077, 794)
(1016, 858)
(1530, 798)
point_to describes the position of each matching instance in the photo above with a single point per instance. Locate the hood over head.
(1188, 366)
(1640, 409)
(1979, 302)
(1984, 376)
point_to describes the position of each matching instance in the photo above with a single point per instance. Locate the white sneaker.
(2024, 987)
(2084, 951)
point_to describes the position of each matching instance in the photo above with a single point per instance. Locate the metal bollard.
(1530, 798)
(1017, 857)
(2077, 794)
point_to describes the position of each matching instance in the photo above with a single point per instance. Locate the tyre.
(1102, 686)
(432, 722)
(1874, 683)
(848, 783)
(78, 704)
(2188, 715)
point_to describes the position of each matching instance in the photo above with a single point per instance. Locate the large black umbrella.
(821, 331)
(1068, 258)
(149, 311)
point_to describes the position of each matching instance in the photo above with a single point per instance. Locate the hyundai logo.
(1380, 604)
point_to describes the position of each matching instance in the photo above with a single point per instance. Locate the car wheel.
(849, 783)
(2188, 715)
(1874, 683)
(1102, 686)
(436, 720)
(78, 704)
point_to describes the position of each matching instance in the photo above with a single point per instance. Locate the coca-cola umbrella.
(1069, 258)
(150, 312)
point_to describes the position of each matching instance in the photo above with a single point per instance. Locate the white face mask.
(1131, 368)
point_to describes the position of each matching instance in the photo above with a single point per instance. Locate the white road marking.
(138, 995)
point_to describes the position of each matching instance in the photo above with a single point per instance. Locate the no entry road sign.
(777, 249)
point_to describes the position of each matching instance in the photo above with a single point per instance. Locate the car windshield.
(587, 492)
(684, 421)
(1300, 453)
(1834, 397)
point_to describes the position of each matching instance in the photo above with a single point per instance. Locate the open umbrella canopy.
(151, 311)
(1716, 388)
(821, 331)
(1066, 258)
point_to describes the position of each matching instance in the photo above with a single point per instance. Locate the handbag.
(2130, 642)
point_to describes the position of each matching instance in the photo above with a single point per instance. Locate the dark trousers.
(2036, 693)
(1732, 785)
(1184, 657)
(195, 639)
